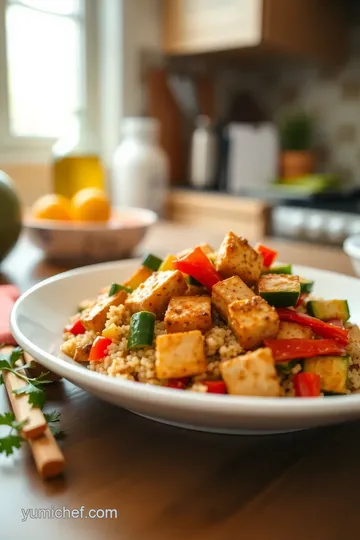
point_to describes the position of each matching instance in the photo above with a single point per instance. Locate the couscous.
(229, 321)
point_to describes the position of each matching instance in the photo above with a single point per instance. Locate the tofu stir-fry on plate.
(231, 321)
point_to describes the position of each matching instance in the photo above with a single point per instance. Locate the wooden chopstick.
(49, 459)
(36, 423)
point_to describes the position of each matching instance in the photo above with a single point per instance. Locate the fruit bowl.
(78, 243)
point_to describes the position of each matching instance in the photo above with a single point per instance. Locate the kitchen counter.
(168, 483)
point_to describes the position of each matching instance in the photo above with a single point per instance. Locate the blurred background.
(246, 111)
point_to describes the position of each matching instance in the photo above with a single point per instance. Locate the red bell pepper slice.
(99, 348)
(269, 255)
(320, 328)
(76, 328)
(284, 350)
(197, 265)
(215, 387)
(179, 384)
(307, 384)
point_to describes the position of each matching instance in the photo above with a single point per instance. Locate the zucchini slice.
(279, 269)
(333, 372)
(279, 290)
(116, 287)
(142, 325)
(152, 262)
(306, 285)
(328, 309)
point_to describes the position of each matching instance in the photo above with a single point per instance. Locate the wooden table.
(167, 483)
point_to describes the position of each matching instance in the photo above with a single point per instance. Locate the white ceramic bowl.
(39, 316)
(352, 248)
(84, 243)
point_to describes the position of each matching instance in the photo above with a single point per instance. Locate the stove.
(328, 221)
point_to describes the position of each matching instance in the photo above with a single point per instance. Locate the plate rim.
(207, 403)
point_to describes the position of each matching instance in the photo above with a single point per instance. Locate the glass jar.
(76, 160)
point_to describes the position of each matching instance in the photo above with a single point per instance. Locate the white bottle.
(140, 167)
(203, 154)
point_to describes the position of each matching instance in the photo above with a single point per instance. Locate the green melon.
(10, 215)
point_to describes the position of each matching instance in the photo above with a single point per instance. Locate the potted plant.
(296, 137)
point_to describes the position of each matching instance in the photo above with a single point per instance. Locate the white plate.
(39, 316)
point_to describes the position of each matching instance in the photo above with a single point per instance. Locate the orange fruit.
(52, 206)
(90, 204)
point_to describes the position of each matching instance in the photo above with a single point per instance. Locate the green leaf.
(7, 419)
(4, 363)
(7, 444)
(52, 417)
(16, 353)
(36, 394)
(37, 381)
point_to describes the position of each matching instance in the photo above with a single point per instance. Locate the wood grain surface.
(168, 483)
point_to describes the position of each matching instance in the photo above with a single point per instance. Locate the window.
(45, 76)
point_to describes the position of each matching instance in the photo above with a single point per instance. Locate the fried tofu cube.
(228, 291)
(237, 257)
(95, 319)
(180, 355)
(155, 293)
(251, 374)
(82, 353)
(252, 321)
(291, 330)
(186, 313)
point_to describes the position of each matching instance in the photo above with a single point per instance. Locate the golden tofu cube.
(180, 355)
(252, 321)
(228, 291)
(291, 330)
(155, 293)
(237, 257)
(82, 353)
(251, 374)
(96, 318)
(186, 313)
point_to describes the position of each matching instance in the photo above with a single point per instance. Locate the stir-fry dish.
(230, 321)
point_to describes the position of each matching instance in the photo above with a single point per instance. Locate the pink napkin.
(8, 295)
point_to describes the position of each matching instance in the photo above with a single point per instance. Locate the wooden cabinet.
(219, 212)
(311, 28)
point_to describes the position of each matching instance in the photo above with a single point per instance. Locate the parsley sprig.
(13, 439)
(34, 389)
(34, 386)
